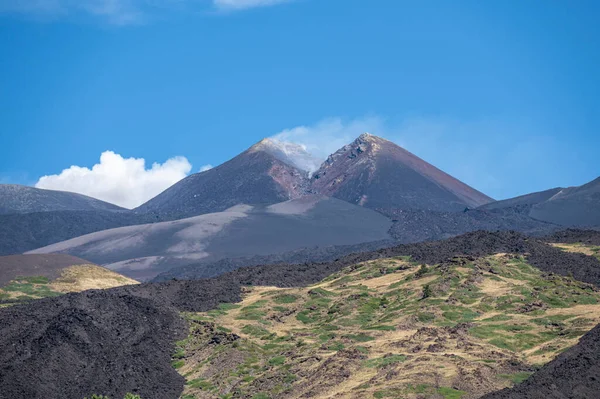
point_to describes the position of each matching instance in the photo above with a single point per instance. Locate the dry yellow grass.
(418, 349)
(577, 248)
(73, 279)
(87, 277)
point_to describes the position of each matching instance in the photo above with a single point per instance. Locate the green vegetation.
(516, 378)
(283, 299)
(27, 288)
(34, 279)
(253, 312)
(388, 318)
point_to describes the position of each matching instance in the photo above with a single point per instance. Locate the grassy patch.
(277, 361)
(516, 378)
(451, 393)
(255, 331)
(285, 298)
(34, 279)
(201, 383)
(253, 312)
(305, 317)
(229, 306)
(178, 364)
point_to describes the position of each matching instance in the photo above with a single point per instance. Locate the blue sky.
(501, 94)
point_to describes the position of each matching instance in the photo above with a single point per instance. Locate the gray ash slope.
(208, 269)
(23, 232)
(144, 251)
(377, 173)
(22, 199)
(256, 176)
(31, 218)
(573, 206)
(409, 226)
(120, 340)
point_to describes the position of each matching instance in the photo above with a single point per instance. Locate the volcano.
(263, 174)
(376, 173)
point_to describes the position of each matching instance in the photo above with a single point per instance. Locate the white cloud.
(122, 181)
(206, 167)
(244, 4)
(123, 12)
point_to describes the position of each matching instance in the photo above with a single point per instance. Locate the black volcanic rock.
(574, 236)
(256, 176)
(573, 374)
(574, 206)
(419, 225)
(377, 173)
(22, 199)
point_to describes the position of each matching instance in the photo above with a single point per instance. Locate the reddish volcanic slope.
(377, 173)
(256, 176)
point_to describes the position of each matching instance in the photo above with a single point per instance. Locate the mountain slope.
(577, 206)
(26, 277)
(377, 173)
(22, 199)
(573, 374)
(421, 225)
(523, 200)
(136, 326)
(23, 232)
(143, 251)
(573, 206)
(256, 176)
(389, 328)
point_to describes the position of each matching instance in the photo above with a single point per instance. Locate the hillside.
(577, 206)
(575, 236)
(377, 173)
(423, 225)
(526, 200)
(145, 318)
(256, 176)
(23, 199)
(573, 374)
(573, 206)
(23, 232)
(144, 251)
(26, 277)
(389, 328)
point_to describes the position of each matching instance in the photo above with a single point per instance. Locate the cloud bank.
(122, 181)
(123, 12)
